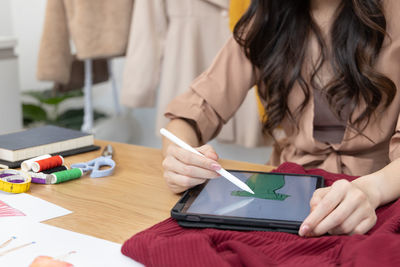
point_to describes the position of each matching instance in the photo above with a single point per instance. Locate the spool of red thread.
(45, 164)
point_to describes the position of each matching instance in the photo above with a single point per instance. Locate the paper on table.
(35, 209)
(54, 242)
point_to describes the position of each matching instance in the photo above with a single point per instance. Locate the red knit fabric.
(168, 244)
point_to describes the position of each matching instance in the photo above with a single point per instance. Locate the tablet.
(280, 203)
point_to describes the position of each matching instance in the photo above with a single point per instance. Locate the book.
(17, 164)
(37, 141)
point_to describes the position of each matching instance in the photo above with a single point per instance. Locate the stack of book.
(19, 146)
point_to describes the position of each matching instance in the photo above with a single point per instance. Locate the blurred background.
(111, 67)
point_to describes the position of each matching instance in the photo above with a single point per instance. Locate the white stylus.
(221, 171)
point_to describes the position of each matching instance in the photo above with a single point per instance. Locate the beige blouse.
(216, 94)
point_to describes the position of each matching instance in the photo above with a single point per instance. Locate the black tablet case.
(236, 227)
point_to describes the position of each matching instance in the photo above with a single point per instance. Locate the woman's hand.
(184, 169)
(342, 208)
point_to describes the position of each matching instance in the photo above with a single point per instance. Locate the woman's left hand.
(342, 208)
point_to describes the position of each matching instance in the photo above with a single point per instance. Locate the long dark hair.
(275, 34)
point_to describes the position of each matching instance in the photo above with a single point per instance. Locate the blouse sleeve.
(392, 9)
(216, 94)
(394, 147)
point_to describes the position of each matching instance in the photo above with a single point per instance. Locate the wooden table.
(114, 208)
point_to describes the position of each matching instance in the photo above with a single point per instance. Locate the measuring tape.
(14, 181)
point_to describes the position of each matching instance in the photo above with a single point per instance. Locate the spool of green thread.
(63, 176)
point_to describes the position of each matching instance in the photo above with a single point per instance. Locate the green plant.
(46, 109)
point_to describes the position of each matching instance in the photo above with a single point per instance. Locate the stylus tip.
(249, 190)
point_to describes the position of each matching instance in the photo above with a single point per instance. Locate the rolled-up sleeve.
(394, 147)
(216, 94)
(190, 106)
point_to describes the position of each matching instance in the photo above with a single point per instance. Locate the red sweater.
(168, 244)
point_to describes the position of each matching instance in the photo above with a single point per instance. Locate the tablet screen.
(277, 197)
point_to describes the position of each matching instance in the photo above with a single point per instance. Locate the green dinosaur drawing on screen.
(264, 186)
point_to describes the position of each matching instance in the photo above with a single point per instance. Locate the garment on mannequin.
(169, 47)
(96, 28)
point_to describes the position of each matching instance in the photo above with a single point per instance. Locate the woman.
(328, 73)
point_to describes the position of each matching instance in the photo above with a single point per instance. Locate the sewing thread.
(67, 175)
(45, 164)
(55, 169)
(40, 177)
(26, 165)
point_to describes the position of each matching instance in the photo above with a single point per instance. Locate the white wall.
(5, 18)
(27, 20)
(10, 108)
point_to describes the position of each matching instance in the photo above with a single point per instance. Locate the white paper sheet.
(54, 242)
(34, 209)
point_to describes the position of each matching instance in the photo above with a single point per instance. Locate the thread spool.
(67, 175)
(55, 169)
(45, 164)
(26, 165)
(40, 178)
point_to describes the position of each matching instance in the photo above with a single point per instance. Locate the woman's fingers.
(344, 209)
(317, 197)
(358, 222)
(365, 225)
(342, 215)
(208, 151)
(179, 183)
(350, 224)
(326, 205)
(190, 158)
(173, 164)
(184, 169)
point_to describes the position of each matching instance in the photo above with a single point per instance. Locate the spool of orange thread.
(45, 164)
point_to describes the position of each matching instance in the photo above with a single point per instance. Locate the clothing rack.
(87, 125)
